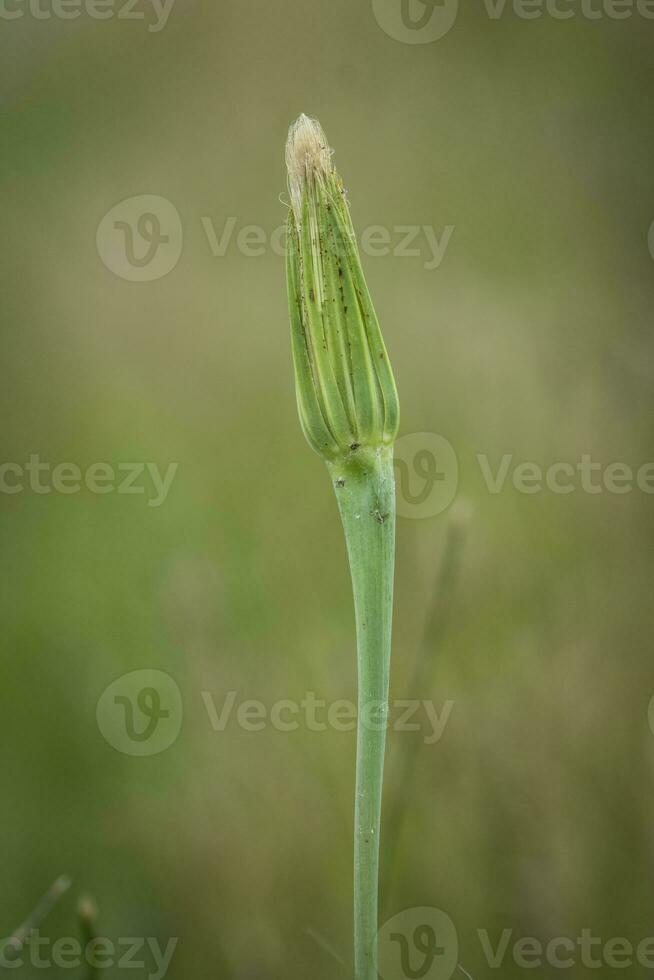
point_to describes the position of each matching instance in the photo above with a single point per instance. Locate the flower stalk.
(349, 412)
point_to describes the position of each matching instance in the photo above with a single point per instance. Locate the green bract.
(345, 388)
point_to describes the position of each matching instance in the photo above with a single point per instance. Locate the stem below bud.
(365, 491)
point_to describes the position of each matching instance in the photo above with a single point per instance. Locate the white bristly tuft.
(307, 151)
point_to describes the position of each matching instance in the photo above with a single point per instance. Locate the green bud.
(346, 394)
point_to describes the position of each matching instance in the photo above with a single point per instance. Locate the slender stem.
(38, 914)
(364, 486)
(87, 914)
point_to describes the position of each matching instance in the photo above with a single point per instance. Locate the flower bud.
(344, 383)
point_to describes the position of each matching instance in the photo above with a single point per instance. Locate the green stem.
(48, 901)
(87, 915)
(365, 491)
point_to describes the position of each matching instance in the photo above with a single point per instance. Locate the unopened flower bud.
(345, 388)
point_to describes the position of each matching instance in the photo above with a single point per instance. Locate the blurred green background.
(533, 337)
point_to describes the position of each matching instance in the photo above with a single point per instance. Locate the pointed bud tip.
(61, 885)
(307, 151)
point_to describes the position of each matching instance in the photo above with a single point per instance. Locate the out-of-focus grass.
(532, 338)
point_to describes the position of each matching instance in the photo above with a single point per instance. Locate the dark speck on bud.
(345, 389)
